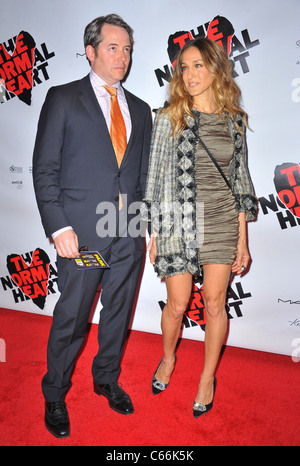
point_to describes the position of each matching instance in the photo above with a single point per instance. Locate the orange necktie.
(117, 126)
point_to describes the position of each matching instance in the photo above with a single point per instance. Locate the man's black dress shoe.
(118, 399)
(57, 419)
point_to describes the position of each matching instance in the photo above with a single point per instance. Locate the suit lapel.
(90, 102)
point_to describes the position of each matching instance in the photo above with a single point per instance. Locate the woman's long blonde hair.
(225, 91)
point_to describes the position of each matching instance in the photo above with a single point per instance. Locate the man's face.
(112, 58)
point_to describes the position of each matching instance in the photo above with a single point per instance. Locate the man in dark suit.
(80, 187)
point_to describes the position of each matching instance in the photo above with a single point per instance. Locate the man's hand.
(66, 244)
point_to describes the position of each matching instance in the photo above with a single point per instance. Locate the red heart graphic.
(32, 280)
(221, 31)
(16, 69)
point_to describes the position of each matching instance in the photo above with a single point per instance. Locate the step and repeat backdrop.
(41, 45)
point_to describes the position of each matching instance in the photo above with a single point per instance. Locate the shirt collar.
(98, 83)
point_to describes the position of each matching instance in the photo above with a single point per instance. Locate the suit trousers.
(78, 288)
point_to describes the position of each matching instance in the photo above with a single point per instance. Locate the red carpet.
(256, 401)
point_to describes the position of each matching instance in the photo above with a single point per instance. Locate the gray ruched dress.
(217, 217)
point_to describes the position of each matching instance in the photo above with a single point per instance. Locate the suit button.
(116, 198)
(119, 174)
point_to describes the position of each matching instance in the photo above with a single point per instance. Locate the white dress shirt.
(103, 98)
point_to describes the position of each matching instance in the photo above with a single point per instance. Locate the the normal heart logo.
(219, 30)
(237, 44)
(16, 70)
(287, 184)
(31, 279)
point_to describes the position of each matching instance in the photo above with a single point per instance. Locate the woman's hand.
(242, 257)
(152, 248)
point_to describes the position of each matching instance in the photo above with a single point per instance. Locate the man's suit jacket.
(74, 164)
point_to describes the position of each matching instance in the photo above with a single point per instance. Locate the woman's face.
(195, 75)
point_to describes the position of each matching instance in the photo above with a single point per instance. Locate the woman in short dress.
(198, 222)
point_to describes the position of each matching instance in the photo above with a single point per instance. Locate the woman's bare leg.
(179, 289)
(215, 283)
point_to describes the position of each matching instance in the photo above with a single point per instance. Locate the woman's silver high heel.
(157, 385)
(199, 408)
